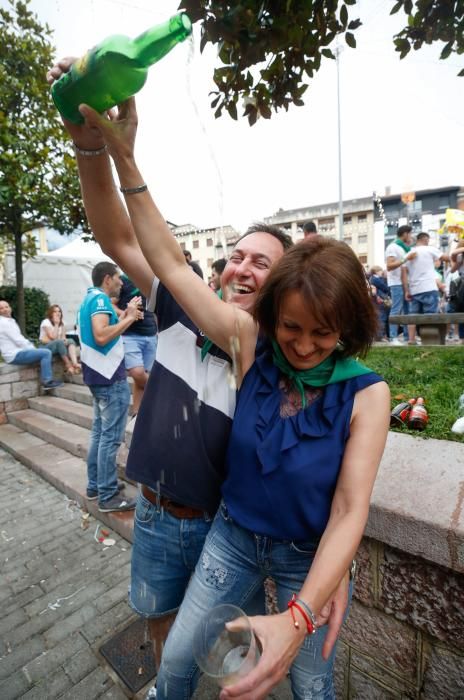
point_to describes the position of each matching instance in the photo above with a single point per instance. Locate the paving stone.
(51, 687)
(71, 623)
(17, 601)
(68, 599)
(22, 655)
(115, 595)
(9, 621)
(114, 693)
(14, 686)
(90, 687)
(51, 659)
(108, 623)
(81, 665)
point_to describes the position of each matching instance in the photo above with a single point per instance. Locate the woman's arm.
(219, 321)
(348, 516)
(50, 332)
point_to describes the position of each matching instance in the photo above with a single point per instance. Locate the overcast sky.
(402, 121)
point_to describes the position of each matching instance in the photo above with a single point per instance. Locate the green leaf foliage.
(269, 49)
(38, 174)
(36, 302)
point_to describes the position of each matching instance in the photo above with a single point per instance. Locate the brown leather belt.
(175, 509)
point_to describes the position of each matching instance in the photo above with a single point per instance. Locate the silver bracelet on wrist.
(90, 152)
(134, 190)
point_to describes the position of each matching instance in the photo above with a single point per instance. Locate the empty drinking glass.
(224, 645)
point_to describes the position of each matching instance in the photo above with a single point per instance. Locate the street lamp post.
(338, 50)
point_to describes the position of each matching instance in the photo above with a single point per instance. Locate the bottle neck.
(157, 41)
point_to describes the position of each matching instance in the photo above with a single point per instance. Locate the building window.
(326, 225)
(362, 239)
(209, 242)
(347, 220)
(362, 218)
(362, 259)
(196, 244)
(182, 245)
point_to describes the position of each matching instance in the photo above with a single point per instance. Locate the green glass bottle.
(116, 68)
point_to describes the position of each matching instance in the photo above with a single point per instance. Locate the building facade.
(424, 210)
(205, 244)
(358, 224)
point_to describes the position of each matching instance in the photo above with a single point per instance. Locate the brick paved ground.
(62, 594)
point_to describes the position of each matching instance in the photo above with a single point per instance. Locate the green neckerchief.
(403, 245)
(333, 369)
(207, 343)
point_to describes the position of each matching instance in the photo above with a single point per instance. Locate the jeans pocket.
(306, 547)
(144, 511)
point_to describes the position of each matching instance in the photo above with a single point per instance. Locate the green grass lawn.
(433, 372)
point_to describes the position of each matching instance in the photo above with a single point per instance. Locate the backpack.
(456, 294)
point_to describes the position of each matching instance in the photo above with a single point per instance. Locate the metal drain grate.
(130, 654)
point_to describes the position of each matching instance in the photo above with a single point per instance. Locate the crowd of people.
(418, 279)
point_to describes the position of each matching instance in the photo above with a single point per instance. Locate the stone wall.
(404, 637)
(19, 383)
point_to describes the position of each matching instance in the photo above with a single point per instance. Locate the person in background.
(305, 443)
(139, 340)
(396, 255)
(102, 356)
(381, 298)
(309, 229)
(194, 265)
(457, 272)
(217, 268)
(420, 280)
(18, 350)
(53, 336)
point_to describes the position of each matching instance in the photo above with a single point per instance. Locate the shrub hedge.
(36, 302)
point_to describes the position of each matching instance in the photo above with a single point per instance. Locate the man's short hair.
(100, 271)
(260, 227)
(187, 255)
(402, 230)
(420, 236)
(219, 265)
(310, 227)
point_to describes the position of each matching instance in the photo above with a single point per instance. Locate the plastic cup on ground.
(224, 645)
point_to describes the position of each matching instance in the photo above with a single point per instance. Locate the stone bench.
(433, 326)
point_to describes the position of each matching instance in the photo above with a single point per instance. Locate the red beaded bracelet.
(293, 603)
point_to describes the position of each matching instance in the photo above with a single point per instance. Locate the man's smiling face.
(248, 267)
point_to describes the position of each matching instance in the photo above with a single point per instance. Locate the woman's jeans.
(110, 407)
(232, 566)
(28, 357)
(56, 347)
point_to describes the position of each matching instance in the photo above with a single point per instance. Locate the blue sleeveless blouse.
(282, 472)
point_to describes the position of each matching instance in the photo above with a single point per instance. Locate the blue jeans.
(110, 407)
(232, 566)
(29, 357)
(424, 303)
(399, 306)
(165, 551)
(56, 347)
(139, 351)
(451, 309)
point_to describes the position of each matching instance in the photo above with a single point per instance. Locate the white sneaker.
(151, 694)
(396, 341)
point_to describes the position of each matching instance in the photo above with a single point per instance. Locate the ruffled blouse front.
(282, 471)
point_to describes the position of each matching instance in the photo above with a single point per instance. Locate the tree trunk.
(21, 311)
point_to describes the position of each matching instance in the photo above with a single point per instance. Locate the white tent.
(65, 274)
